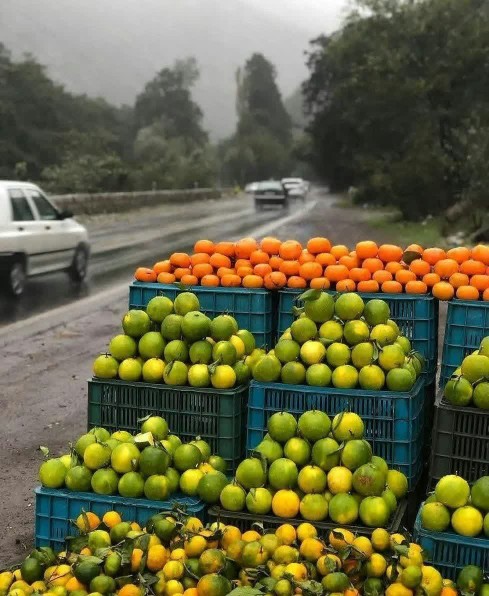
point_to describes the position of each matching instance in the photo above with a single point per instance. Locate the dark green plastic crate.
(245, 520)
(217, 415)
(416, 315)
(460, 443)
(251, 307)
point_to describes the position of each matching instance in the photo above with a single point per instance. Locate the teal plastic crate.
(56, 509)
(394, 422)
(216, 415)
(450, 552)
(467, 324)
(416, 316)
(252, 308)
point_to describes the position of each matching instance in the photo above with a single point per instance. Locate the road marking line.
(60, 315)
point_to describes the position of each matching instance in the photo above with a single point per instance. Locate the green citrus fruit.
(233, 498)
(397, 482)
(158, 308)
(368, 480)
(195, 326)
(105, 481)
(347, 426)
(157, 426)
(186, 302)
(199, 375)
(52, 473)
(480, 396)
(355, 453)
(131, 485)
(130, 370)
(343, 509)
(391, 357)
(298, 450)
(475, 367)
(318, 375)
(376, 312)
(270, 449)
(153, 460)
(399, 380)
(186, 457)
(312, 352)
(153, 370)
(326, 453)
(259, 501)
(123, 346)
(467, 521)
(435, 517)
(248, 339)
(222, 327)
(250, 473)
(338, 354)
(362, 354)
(200, 352)
(321, 309)
(171, 327)
(175, 373)
(356, 332)
(453, 491)
(210, 487)
(136, 323)
(96, 456)
(303, 329)
(374, 512)
(384, 335)
(345, 377)
(287, 350)
(331, 331)
(78, 478)
(105, 367)
(314, 425)
(371, 377)
(282, 426)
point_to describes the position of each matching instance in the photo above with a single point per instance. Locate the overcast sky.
(112, 48)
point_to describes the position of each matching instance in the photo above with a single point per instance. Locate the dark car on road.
(270, 193)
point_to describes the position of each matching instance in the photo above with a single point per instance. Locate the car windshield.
(269, 186)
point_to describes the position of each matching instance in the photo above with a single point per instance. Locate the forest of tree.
(399, 104)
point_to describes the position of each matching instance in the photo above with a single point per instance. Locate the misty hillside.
(113, 47)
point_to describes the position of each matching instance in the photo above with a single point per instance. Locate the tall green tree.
(389, 93)
(167, 99)
(260, 104)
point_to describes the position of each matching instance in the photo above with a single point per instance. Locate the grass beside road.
(426, 233)
(390, 222)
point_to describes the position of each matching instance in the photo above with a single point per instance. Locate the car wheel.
(79, 266)
(17, 278)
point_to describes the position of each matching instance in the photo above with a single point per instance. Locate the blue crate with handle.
(466, 326)
(416, 315)
(394, 422)
(57, 509)
(251, 307)
(449, 552)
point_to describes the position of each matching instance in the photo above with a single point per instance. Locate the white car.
(37, 238)
(251, 188)
(296, 187)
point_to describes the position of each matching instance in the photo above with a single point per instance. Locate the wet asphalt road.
(120, 243)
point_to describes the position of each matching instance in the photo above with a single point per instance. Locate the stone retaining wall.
(93, 204)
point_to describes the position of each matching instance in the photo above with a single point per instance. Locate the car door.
(58, 241)
(26, 230)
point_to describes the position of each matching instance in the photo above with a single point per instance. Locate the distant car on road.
(270, 193)
(37, 238)
(296, 188)
(251, 187)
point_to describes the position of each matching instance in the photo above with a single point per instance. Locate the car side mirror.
(65, 214)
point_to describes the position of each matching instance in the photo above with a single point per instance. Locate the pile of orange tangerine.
(459, 272)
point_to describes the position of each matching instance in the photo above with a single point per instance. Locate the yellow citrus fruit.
(432, 582)
(230, 534)
(311, 549)
(340, 543)
(87, 521)
(286, 533)
(306, 530)
(397, 589)
(111, 519)
(58, 575)
(157, 557)
(195, 546)
(178, 554)
(340, 480)
(250, 536)
(285, 503)
(376, 565)
(173, 570)
(363, 546)
(381, 539)
(136, 557)
(297, 570)
(328, 564)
